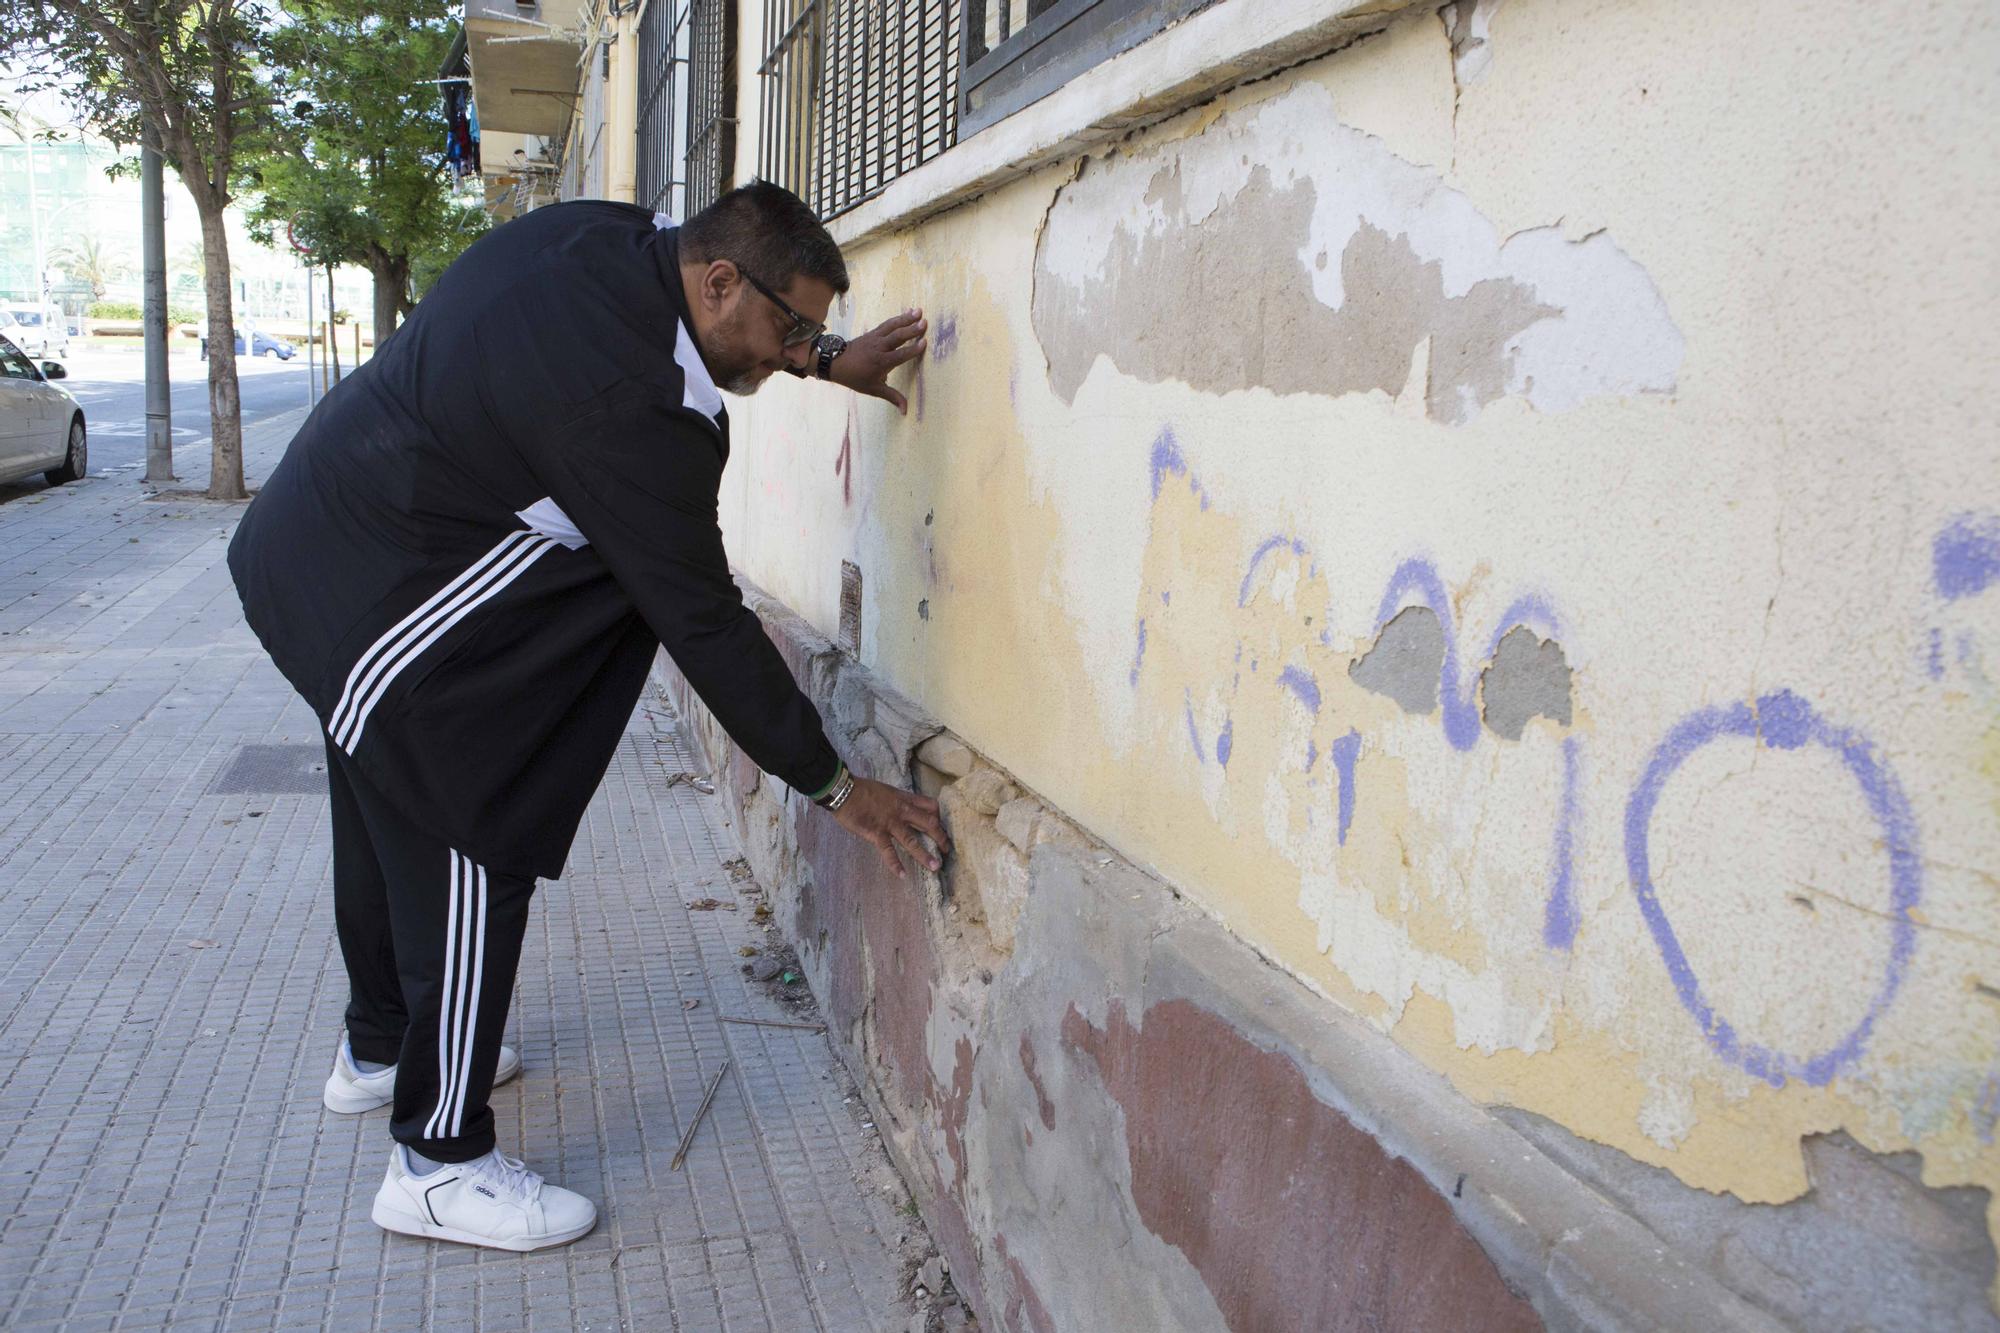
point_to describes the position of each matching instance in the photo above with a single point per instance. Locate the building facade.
(1445, 565)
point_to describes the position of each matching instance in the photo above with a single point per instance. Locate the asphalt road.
(111, 386)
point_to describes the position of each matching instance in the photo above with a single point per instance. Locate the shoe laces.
(510, 1174)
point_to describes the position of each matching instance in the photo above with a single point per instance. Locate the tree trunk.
(225, 402)
(332, 329)
(392, 278)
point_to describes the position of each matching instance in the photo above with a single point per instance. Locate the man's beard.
(732, 374)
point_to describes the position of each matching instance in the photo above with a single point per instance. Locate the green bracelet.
(838, 774)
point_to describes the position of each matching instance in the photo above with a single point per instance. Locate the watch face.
(832, 342)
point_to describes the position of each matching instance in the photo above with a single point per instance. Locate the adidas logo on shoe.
(492, 1201)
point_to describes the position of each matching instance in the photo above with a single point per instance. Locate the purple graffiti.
(1226, 742)
(1257, 558)
(1300, 682)
(1345, 751)
(1167, 458)
(1965, 557)
(1936, 663)
(1194, 734)
(945, 341)
(1139, 657)
(1559, 919)
(1416, 575)
(1986, 1111)
(1534, 612)
(1783, 721)
(1416, 579)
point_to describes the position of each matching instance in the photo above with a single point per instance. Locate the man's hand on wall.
(864, 367)
(887, 818)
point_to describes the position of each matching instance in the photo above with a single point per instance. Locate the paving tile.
(175, 995)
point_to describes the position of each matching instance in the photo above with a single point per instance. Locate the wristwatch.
(829, 346)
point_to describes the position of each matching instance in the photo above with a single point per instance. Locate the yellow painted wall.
(1744, 457)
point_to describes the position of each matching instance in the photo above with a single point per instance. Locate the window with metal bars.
(1019, 51)
(856, 92)
(687, 88)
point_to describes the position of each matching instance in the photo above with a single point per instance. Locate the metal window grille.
(662, 121)
(856, 92)
(711, 149)
(1019, 51)
(687, 138)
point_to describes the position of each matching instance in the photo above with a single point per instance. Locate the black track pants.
(431, 942)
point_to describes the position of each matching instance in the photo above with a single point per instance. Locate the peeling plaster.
(1466, 25)
(1868, 1246)
(1528, 678)
(1449, 890)
(1171, 264)
(1406, 661)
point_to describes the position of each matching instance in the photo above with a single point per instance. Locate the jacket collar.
(700, 394)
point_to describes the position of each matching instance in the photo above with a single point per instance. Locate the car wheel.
(76, 461)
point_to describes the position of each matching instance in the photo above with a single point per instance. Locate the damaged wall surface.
(1502, 520)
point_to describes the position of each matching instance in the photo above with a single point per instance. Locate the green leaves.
(356, 164)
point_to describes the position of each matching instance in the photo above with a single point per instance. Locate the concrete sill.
(1231, 42)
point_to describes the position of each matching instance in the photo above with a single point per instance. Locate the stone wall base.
(1115, 1115)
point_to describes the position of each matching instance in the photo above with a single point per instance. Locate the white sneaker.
(350, 1092)
(493, 1201)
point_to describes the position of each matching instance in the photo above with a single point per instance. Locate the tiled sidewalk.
(173, 996)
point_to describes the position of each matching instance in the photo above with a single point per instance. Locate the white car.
(39, 331)
(41, 426)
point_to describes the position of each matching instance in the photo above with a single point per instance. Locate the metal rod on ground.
(159, 391)
(774, 1023)
(687, 1139)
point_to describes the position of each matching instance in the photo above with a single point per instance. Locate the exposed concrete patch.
(1528, 678)
(1292, 342)
(1406, 662)
(1282, 250)
(1870, 1246)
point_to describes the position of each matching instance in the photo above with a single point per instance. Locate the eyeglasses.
(803, 330)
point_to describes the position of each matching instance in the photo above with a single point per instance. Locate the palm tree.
(86, 260)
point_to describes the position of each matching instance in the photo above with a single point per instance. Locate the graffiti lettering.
(1778, 721)
(1967, 560)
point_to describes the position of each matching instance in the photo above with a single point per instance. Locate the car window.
(30, 319)
(14, 365)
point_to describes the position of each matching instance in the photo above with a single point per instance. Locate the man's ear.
(718, 280)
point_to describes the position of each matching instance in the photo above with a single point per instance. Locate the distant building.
(58, 195)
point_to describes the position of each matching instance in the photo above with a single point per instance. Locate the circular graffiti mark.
(1781, 721)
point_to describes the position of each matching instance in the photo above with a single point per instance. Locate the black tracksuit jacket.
(469, 552)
